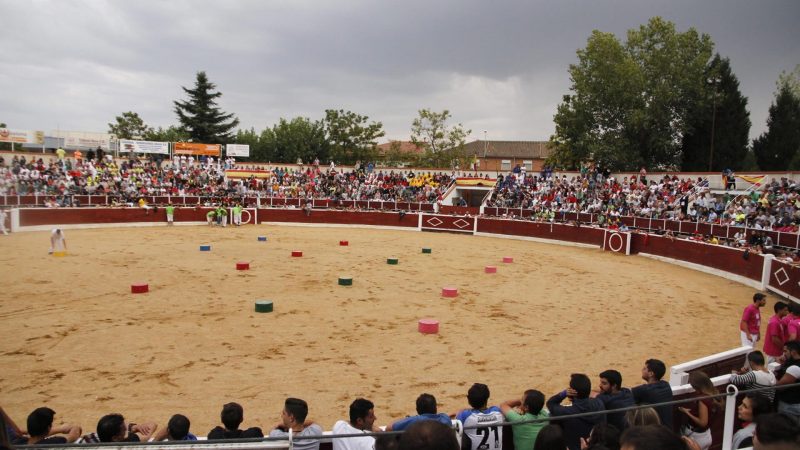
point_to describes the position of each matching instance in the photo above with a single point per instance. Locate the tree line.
(342, 136)
(663, 100)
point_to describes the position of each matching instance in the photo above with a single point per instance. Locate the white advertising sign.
(21, 136)
(78, 139)
(126, 146)
(242, 150)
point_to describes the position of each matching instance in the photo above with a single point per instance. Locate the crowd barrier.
(755, 270)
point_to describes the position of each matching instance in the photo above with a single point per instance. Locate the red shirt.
(774, 328)
(752, 316)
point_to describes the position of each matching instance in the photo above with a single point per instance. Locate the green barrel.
(392, 261)
(263, 306)
(426, 250)
(345, 281)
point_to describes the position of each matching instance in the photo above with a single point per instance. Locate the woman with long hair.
(700, 413)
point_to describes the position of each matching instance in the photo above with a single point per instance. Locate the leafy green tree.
(443, 144)
(169, 134)
(629, 103)
(201, 117)
(724, 112)
(791, 79)
(351, 136)
(777, 148)
(253, 139)
(129, 126)
(297, 139)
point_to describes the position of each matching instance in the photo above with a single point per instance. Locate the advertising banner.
(126, 146)
(22, 136)
(191, 148)
(236, 173)
(242, 150)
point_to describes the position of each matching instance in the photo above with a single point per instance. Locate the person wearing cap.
(750, 325)
(57, 241)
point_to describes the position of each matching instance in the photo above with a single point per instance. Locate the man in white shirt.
(362, 420)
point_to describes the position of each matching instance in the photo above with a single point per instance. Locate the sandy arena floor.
(75, 339)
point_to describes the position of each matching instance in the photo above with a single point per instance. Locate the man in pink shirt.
(775, 336)
(750, 326)
(791, 323)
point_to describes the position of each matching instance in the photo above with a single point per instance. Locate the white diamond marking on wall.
(781, 276)
(461, 223)
(434, 221)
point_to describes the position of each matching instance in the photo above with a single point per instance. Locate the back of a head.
(581, 383)
(651, 437)
(298, 408)
(232, 415)
(426, 404)
(776, 431)
(642, 416)
(478, 395)
(178, 427)
(533, 401)
(701, 383)
(40, 421)
(428, 435)
(550, 437)
(604, 435)
(359, 409)
(756, 358)
(109, 426)
(657, 367)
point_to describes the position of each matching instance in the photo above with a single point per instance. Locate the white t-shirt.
(794, 371)
(351, 443)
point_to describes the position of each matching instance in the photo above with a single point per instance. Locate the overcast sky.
(499, 66)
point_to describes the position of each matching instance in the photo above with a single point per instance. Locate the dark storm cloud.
(498, 66)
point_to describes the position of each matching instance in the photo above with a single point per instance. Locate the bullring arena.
(76, 339)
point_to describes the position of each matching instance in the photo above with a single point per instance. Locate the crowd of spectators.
(129, 179)
(772, 206)
(537, 423)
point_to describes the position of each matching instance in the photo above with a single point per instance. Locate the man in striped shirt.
(757, 377)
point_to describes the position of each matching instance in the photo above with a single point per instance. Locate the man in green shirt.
(210, 216)
(237, 214)
(170, 214)
(530, 407)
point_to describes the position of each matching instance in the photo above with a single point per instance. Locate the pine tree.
(201, 117)
(776, 148)
(723, 112)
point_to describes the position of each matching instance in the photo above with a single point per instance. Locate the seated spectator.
(642, 417)
(362, 420)
(426, 410)
(614, 396)
(755, 376)
(41, 431)
(776, 431)
(602, 437)
(429, 435)
(177, 430)
(651, 437)
(550, 437)
(530, 407)
(10, 428)
(578, 392)
(789, 399)
(232, 416)
(655, 390)
(752, 406)
(482, 430)
(701, 413)
(293, 416)
(112, 428)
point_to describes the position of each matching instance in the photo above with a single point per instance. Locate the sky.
(497, 66)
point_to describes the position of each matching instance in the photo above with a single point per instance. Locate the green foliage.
(129, 126)
(201, 117)
(350, 136)
(289, 141)
(630, 102)
(395, 156)
(443, 145)
(723, 111)
(170, 134)
(777, 148)
(791, 80)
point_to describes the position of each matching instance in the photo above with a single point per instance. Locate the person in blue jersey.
(482, 430)
(426, 410)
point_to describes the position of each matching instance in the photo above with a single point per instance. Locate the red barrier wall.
(388, 219)
(447, 223)
(74, 216)
(785, 278)
(715, 256)
(557, 231)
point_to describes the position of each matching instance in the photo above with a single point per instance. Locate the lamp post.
(715, 82)
(485, 148)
